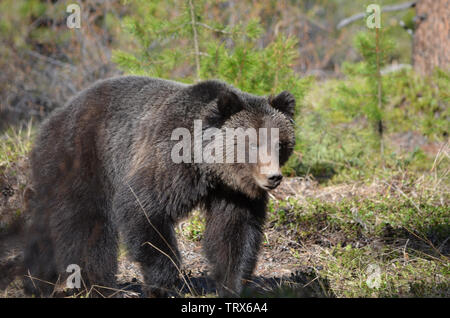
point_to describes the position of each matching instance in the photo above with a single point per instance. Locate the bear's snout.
(274, 180)
(270, 180)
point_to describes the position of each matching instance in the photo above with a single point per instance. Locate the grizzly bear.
(102, 166)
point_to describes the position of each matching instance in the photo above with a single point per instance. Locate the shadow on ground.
(297, 285)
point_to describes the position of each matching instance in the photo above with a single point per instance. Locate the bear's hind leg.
(84, 236)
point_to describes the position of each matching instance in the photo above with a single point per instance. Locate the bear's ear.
(284, 102)
(229, 103)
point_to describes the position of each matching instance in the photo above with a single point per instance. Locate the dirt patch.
(405, 142)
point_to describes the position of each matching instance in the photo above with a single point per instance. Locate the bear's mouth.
(270, 186)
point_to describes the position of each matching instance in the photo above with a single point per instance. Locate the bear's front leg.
(232, 239)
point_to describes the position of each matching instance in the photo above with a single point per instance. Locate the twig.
(358, 16)
(176, 266)
(50, 60)
(211, 28)
(408, 198)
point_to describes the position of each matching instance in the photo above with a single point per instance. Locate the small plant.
(194, 228)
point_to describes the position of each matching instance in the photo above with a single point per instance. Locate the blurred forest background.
(370, 172)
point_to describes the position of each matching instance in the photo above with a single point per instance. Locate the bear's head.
(257, 137)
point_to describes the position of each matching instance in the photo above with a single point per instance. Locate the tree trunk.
(431, 46)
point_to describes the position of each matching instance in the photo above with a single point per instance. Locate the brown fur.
(101, 166)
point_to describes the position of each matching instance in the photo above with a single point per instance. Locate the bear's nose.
(275, 178)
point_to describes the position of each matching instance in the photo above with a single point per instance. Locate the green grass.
(15, 143)
(404, 234)
(352, 272)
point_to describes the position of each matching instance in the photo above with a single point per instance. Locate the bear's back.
(83, 128)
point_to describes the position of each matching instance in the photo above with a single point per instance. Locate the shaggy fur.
(101, 166)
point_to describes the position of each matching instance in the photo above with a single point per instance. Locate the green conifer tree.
(183, 44)
(375, 47)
